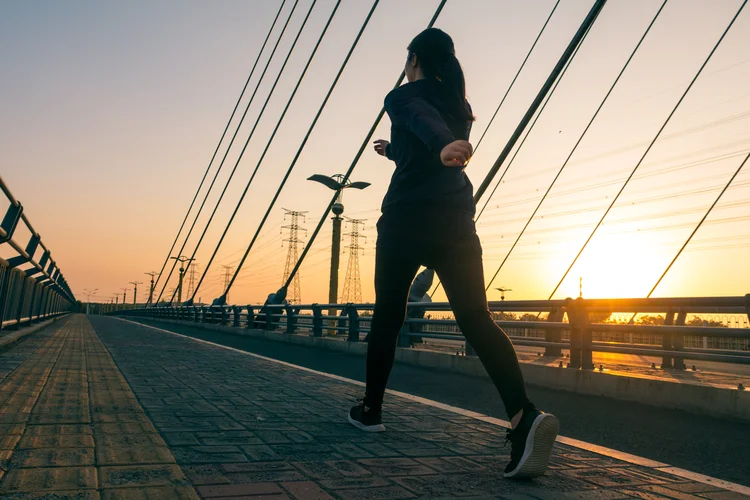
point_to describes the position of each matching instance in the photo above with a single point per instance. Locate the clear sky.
(111, 111)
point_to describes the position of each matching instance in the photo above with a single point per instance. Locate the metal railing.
(31, 285)
(559, 324)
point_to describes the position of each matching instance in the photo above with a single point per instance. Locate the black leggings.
(458, 263)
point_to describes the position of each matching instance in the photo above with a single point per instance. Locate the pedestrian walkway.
(127, 411)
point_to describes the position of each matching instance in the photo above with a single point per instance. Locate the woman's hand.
(456, 154)
(380, 146)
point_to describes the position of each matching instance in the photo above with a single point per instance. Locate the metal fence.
(31, 285)
(555, 325)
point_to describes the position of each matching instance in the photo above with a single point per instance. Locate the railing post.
(19, 310)
(236, 310)
(4, 293)
(580, 335)
(203, 314)
(404, 339)
(678, 341)
(269, 319)
(550, 335)
(667, 341)
(291, 321)
(317, 329)
(250, 317)
(353, 314)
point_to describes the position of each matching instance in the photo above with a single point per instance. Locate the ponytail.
(437, 59)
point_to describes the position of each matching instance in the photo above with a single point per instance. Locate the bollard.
(353, 314)
(317, 329)
(555, 316)
(291, 321)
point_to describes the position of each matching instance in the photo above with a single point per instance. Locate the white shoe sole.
(538, 448)
(366, 428)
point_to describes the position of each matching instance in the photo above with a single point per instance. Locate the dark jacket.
(422, 125)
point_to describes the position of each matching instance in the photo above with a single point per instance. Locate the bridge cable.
(357, 156)
(575, 147)
(648, 149)
(192, 203)
(222, 299)
(518, 73)
(546, 93)
(252, 131)
(679, 252)
(231, 142)
(265, 150)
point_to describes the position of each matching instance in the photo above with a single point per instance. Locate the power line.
(221, 139)
(648, 149)
(575, 147)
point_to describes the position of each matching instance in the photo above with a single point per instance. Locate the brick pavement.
(242, 427)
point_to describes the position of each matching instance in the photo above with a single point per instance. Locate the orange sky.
(111, 113)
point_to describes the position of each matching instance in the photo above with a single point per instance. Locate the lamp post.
(181, 259)
(336, 183)
(151, 287)
(89, 293)
(135, 289)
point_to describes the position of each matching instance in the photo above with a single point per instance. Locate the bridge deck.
(117, 410)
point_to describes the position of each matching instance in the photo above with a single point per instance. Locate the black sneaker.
(365, 418)
(531, 444)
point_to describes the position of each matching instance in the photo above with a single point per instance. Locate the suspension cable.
(699, 225)
(258, 118)
(546, 94)
(223, 134)
(648, 149)
(263, 155)
(518, 73)
(299, 150)
(575, 147)
(231, 142)
(361, 150)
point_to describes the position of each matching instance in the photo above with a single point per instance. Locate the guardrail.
(32, 287)
(561, 324)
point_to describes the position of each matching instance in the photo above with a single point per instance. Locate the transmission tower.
(228, 271)
(293, 253)
(191, 279)
(352, 284)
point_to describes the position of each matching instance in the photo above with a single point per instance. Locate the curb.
(17, 335)
(697, 398)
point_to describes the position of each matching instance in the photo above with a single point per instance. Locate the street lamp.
(502, 291)
(89, 293)
(336, 183)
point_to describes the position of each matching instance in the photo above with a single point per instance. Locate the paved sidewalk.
(242, 427)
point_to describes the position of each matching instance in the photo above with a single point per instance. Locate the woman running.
(428, 220)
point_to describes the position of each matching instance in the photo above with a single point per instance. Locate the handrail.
(38, 291)
(566, 317)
